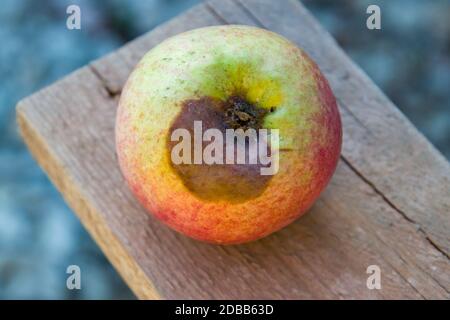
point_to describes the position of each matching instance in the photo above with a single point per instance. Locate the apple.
(219, 79)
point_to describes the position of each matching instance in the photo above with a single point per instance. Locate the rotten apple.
(194, 92)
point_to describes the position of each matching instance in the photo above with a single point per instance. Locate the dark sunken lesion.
(240, 114)
(230, 182)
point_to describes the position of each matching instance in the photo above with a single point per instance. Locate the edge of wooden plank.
(127, 267)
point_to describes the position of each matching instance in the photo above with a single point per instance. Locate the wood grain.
(388, 203)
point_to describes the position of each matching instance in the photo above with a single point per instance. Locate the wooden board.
(388, 203)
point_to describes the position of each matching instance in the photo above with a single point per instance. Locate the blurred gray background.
(39, 235)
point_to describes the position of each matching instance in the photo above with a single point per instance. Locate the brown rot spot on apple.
(213, 182)
(240, 114)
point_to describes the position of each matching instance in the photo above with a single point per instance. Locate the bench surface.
(388, 203)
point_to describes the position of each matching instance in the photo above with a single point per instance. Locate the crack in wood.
(112, 93)
(213, 11)
(393, 206)
(249, 14)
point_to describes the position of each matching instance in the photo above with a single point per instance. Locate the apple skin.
(268, 70)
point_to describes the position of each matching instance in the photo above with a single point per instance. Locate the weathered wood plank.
(356, 222)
